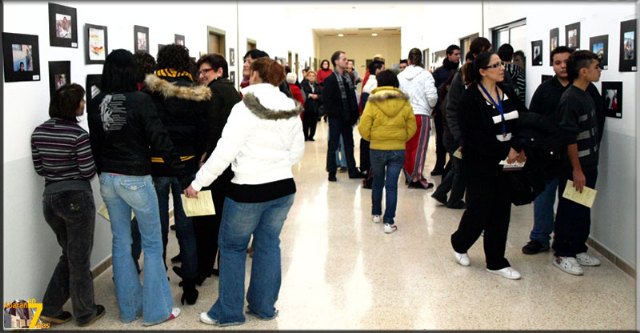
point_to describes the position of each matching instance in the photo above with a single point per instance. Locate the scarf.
(170, 72)
(343, 92)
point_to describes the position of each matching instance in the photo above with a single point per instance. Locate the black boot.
(190, 293)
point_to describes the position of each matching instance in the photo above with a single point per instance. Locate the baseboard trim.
(619, 262)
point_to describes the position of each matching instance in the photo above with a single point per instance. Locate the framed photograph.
(536, 51)
(232, 77)
(612, 95)
(21, 60)
(160, 46)
(59, 75)
(92, 86)
(232, 56)
(545, 77)
(554, 42)
(140, 39)
(600, 46)
(628, 54)
(96, 44)
(63, 26)
(572, 35)
(179, 39)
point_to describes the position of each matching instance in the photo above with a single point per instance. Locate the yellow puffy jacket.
(387, 121)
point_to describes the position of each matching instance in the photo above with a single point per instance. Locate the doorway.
(216, 40)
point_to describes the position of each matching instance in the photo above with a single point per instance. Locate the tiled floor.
(340, 271)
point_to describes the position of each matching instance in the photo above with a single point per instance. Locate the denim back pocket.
(133, 184)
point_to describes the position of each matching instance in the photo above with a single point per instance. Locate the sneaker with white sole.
(586, 260)
(204, 317)
(462, 258)
(175, 312)
(377, 219)
(506, 272)
(389, 228)
(569, 265)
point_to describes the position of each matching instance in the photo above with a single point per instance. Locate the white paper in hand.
(200, 206)
(586, 198)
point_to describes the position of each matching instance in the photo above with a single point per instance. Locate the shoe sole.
(566, 271)
(53, 320)
(497, 272)
(393, 229)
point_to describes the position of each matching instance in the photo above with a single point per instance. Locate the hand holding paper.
(586, 198)
(198, 206)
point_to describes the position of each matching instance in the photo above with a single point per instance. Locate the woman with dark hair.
(324, 71)
(124, 127)
(388, 123)
(61, 153)
(488, 118)
(262, 141)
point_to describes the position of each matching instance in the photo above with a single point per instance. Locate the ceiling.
(364, 31)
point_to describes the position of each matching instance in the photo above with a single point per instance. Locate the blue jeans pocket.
(132, 184)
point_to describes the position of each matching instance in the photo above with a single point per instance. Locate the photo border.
(11, 38)
(533, 58)
(56, 67)
(88, 60)
(628, 65)
(232, 56)
(569, 27)
(177, 38)
(136, 30)
(617, 85)
(555, 32)
(54, 40)
(604, 62)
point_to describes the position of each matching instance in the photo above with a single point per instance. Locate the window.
(513, 33)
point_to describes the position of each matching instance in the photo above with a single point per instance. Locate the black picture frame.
(92, 86)
(59, 75)
(628, 46)
(572, 35)
(600, 46)
(232, 77)
(160, 46)
(63, 26)
(96, 43)
(17, 49)
(140, 39)
(536, 53)
(545, 77)
(179, 39)
(612, 98)
(554, 41)
(232, 56)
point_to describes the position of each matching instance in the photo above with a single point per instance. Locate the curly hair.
(145, 64)
(174, 56)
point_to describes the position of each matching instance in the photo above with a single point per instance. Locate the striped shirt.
(61, 151)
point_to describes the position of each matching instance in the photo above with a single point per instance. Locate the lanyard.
(498, 106)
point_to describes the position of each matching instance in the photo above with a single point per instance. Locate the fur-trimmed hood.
(389, 100)
(252, 102)
(170, 89)
(384, 93)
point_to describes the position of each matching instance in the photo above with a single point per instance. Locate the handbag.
(525, 185)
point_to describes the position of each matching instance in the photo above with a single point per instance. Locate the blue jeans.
(342, 162)
(239, 220)
(543, 214)
(386, 166)
(184, 227)
(153, 298)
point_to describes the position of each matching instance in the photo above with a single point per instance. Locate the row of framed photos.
(611, 95)
(598, 45)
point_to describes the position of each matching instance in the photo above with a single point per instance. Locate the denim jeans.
(264, 220)
(184, 228)
(71, 216)
(152, 299)
(543, 214)
(341, 159)
(386, 166)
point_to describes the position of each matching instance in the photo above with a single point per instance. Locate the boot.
(190, 293)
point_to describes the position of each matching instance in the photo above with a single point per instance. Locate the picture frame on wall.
(179, 39)
(92, 86)
(160, 46)
(140, 39)
(59, 75)
(536, 53)
(554, 41)
(628, 43)
(612, 96)
(63, 26)
(96, 46)
(438, 57)
(232, 77)
(232, 56)
(572, 35)
(21, 57)
(600, 46)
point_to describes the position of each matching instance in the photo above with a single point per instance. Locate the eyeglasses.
(496, 65)
(204, 70)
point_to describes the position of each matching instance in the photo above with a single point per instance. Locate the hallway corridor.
(341, 271)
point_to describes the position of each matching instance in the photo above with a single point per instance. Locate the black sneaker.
(440, 198)
(534, 247)
(176, 259)
(62, 318)
(99, 314)
(332, 177)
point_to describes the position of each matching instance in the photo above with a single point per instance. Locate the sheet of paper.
(202, 205)
(102, 211)
(511, 167)
(458, 153)
(585, 198)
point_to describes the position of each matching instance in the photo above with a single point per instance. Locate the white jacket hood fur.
(420, 86)
(262, 139)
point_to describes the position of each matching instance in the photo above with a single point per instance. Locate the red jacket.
(323, 74)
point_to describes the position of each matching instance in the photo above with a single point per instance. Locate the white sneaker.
(462, 258)
(377, 218)
(568, 264)
(389, 228)
(586, 260)
(204, 317)
(506, 272)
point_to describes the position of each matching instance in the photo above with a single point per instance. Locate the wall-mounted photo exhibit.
(628, 54)
(179, 39)
(536, 52)
(545, 77)
(59, 75)
(63, 26)
(140, 39)
(572, 35)
(554, 41)
(96, 48)
(612, 95)
(232, 56)
(21, 59)
(92, 86)
(232, 77)
(600, 46)
(438, 57)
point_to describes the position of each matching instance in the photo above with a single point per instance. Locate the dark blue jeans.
(386, 166)
(543, 213)
(336, 128)
(71, 216)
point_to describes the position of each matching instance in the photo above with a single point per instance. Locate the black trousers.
(488, 209)
(309, 124)
(441, 152)
(365, 159)
(207, 229)
(338, 127)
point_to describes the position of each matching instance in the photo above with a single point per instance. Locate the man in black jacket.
(341, 106)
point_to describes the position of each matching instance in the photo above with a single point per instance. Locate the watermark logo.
(21, 314)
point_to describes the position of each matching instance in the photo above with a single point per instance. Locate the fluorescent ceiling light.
(374, 34)
(340, 35)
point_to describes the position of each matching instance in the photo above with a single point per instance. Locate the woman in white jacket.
(262, 140)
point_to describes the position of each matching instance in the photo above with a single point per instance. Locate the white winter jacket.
(262, 139)
(420, 86)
